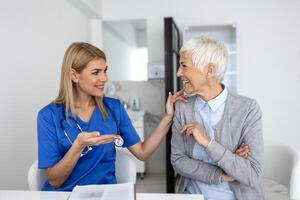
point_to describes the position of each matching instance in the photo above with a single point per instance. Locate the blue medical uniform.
(98, 165)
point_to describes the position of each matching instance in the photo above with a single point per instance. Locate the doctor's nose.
(103, 77)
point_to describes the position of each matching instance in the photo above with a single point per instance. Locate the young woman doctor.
(78, 131)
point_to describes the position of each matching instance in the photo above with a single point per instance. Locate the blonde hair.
(77, 56)
(204, 50)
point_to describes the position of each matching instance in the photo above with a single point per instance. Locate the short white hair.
(203, 51)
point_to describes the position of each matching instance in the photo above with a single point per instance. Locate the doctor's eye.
(95, 72)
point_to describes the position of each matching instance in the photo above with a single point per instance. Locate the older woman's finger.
(186, 127)
(190, 130)
(240, 149)
(243, 151)
(244, 155)
(187, 134)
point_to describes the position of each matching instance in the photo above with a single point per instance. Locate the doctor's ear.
(74, 76)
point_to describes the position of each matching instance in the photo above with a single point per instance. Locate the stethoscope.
(118, 142)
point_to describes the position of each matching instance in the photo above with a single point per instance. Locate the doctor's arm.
(143, 150)
(59, 173)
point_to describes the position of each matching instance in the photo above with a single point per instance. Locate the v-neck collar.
(78, 119)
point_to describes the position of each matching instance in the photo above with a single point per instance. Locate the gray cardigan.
(241, 122)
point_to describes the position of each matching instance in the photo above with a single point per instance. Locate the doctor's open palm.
(94, 138)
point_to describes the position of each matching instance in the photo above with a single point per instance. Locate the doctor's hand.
(197, 131)
(93, 139)
(172, 99)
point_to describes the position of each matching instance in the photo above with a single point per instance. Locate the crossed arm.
(228, 165)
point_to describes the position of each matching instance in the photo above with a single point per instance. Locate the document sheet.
(123, 191)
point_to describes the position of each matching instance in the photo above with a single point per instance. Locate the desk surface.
(38, 195)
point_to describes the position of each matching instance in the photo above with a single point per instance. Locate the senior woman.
(209, 129)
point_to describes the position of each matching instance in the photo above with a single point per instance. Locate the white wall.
(268, 37)
(33, 38)
(118, 43)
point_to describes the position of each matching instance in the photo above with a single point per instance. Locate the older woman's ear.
(211, 70)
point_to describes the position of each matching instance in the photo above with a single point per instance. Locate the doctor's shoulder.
(113, 103)
(52, 109)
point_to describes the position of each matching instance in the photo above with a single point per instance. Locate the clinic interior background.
(35, 34)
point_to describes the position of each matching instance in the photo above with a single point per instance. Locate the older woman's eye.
(183, 65)
(95, 73)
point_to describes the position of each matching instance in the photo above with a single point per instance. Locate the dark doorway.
(172, 84)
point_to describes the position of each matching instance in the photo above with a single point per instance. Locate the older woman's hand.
(226, 178)
(243, 150)
(172, 99)
(198, 132)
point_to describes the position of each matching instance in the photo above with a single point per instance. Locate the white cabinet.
(138, 121)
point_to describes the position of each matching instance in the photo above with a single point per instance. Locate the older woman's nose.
(179, 72)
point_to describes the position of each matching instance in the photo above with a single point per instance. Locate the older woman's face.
(193, 80)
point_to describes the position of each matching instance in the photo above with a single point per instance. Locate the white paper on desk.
(124, 191)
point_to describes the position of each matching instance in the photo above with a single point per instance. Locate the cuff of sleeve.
(217, 176)
(215, 151)
(210, 142)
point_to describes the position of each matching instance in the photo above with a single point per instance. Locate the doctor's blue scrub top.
(98, 165)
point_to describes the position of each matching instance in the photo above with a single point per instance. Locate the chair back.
(125, 171)
(282, 164)
(36, 177)
(125, 166)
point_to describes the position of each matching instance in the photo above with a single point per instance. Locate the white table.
(38, 195)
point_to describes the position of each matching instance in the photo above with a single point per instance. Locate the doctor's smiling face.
(91, 80)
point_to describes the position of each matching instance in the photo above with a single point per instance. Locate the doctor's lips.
(101, 87)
